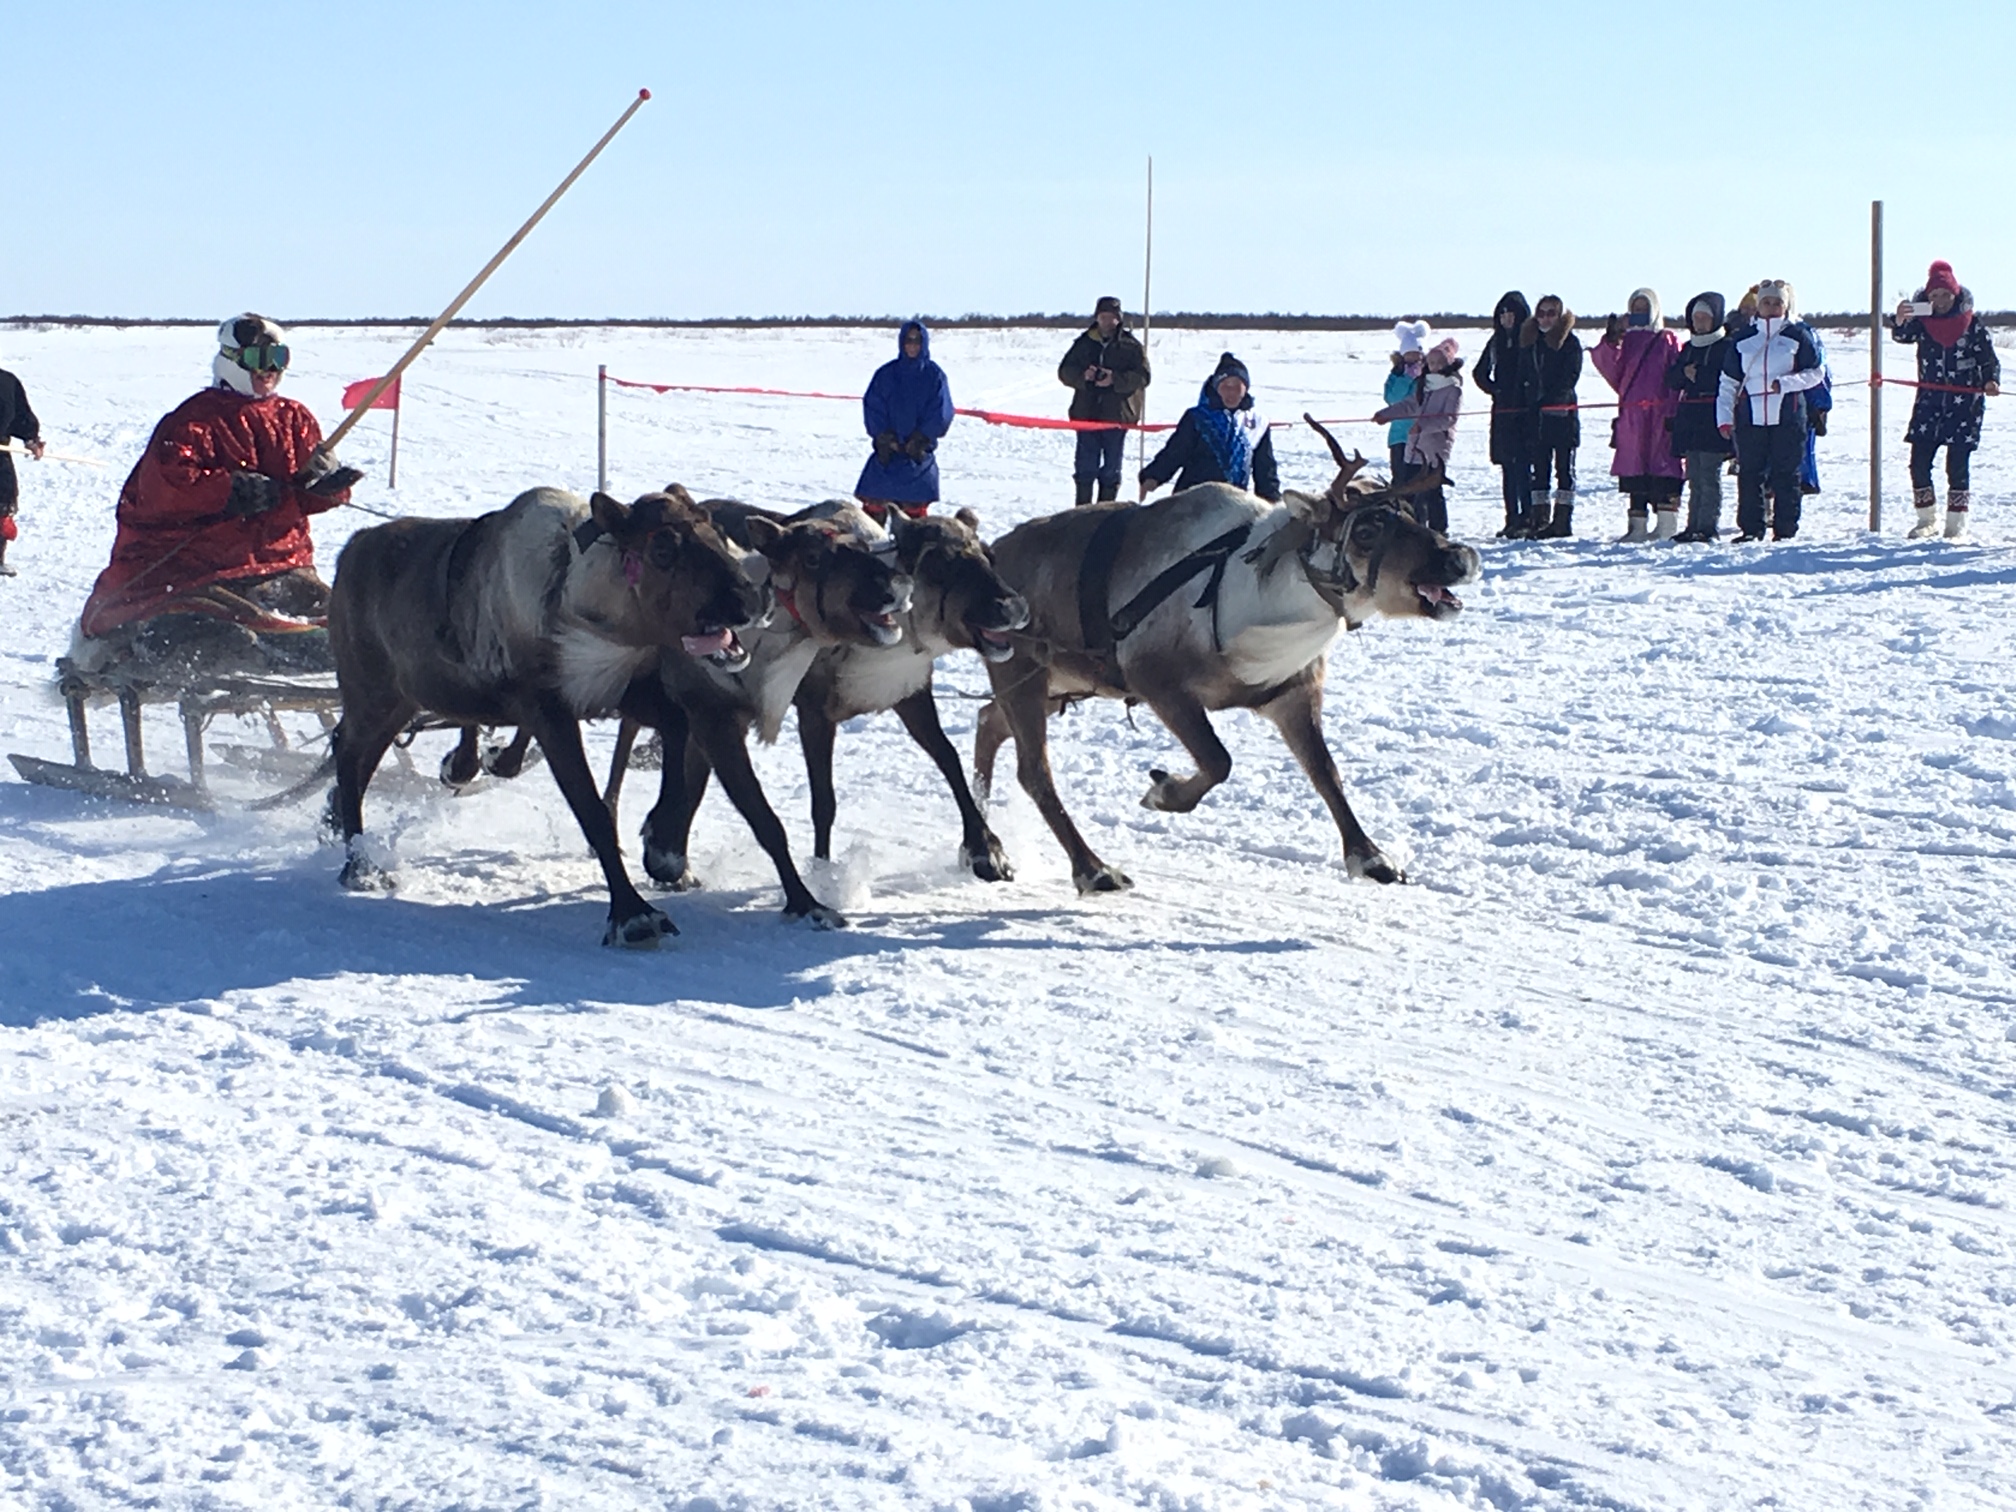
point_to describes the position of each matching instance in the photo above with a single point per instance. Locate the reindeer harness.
(1104, 629)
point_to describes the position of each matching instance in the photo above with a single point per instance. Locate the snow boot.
(1957, 501)
(1635, 527)
(1669, 522)
(1926, 502)
(1108, 492)
(1083, 487)
(5, 570)
(1562, 526)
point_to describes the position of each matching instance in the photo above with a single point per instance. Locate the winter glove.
(917, 447)
(252, 493)
(886, 447)
(331, 484)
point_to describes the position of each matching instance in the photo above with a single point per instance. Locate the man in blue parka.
(907, 408)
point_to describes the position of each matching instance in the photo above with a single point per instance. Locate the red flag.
(353, 394)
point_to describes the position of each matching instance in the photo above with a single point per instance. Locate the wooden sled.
(196, 702)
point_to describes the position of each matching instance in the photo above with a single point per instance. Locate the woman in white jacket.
(1761, 401)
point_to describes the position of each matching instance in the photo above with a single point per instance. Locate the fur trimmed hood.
(1529, 330)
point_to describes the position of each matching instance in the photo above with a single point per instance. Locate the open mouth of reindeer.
(721, 648)
(996, 643)
(1438, 600)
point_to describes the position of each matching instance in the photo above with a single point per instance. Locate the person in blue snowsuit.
(907, 410)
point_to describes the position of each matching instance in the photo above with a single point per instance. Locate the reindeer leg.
(815, 737)
(632, 921)
(1189, 723)
(990, 728)
(978, 848)
(727, 749)
(619, 764)
(359, 743)
(682, 783)
(510, 761)
(1024, 700)
(1297, 713)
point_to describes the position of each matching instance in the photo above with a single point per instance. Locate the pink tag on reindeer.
(633, 568)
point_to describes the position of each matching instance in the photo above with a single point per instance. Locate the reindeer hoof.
(669, 870)
(454, 774)
(1107, 879)
(1375, 867)
(817, 914)
(361, 875)
(989, 862)
(508, 761)
(639, 931)
(1169, 795)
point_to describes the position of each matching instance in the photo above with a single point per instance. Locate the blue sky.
(197, 158)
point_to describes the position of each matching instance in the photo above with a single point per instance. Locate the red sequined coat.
(174, 536)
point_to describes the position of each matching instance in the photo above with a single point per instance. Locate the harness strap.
(1212, 554)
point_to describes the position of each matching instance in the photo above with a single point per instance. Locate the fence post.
(602, 427)
(1876, 366)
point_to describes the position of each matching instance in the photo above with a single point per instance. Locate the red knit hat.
(1940, 276)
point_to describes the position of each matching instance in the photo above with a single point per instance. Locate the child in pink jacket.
(1433, 407)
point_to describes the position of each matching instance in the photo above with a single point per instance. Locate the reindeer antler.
(1348, 467)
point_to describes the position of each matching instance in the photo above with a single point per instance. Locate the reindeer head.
(1368, 555)
(687, 583)
(961, 600)
(843, 585)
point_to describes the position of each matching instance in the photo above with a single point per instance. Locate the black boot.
(1108, 492)
(1084, 489)
(1562, 526)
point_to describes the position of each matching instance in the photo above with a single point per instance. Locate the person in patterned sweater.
(1956, 352)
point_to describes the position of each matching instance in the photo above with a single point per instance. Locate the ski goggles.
(263, 357)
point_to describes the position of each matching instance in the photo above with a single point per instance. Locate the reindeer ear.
(1311, 509)
(678, 491)
(764, 533)
(965, 516)
(613, 515)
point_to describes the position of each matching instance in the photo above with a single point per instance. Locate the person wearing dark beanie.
(1221, 438)
(1958, 372)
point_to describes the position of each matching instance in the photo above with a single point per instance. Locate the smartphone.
(1921, 307)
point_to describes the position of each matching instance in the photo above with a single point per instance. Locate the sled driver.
(213, 569)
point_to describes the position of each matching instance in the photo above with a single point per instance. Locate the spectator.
(17, 423)
(1696, 374)
(1955, 350)
(1433, 406)
(907, 410)
(1409, 362)
(1107, 372)
(213, 565)
(1500, 374)
(1633, 357)
(1761, 403)
(1552, 353)
(1222, 438)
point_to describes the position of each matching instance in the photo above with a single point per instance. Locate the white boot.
(1635, 530)
(1669, 523)
(1956, 513)
(1926, 502)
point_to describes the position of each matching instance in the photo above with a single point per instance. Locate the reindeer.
(1115, 612)
(535, 615)
(959, 603)
(836, 586)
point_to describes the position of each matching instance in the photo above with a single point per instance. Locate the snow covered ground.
(1652, 1150)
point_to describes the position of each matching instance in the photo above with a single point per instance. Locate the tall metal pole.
(392, 472)
(1876, 365)
(602, 427)
(1147, 285)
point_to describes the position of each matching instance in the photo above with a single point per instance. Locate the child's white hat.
(1412, 335)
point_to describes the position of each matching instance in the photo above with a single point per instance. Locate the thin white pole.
(1147, 286)
(398, 403)
(602, 427)
(1876, 365)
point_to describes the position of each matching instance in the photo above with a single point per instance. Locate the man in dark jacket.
(1499, 373)
(17, 423)
(907, 410)
(1222, 438)
(1106, 371)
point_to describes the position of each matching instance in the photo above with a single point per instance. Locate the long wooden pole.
(412, 352)
(1876, 365)
(1147, 285)
(49, 456)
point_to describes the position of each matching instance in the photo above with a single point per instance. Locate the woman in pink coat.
(1633, 357)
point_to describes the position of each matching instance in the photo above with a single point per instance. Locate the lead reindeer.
(1116, 611)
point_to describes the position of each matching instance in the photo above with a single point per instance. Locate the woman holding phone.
(1958, 372)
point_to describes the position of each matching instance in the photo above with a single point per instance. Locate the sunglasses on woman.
(262, 357)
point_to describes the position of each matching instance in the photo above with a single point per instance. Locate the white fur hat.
(1412, 335)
